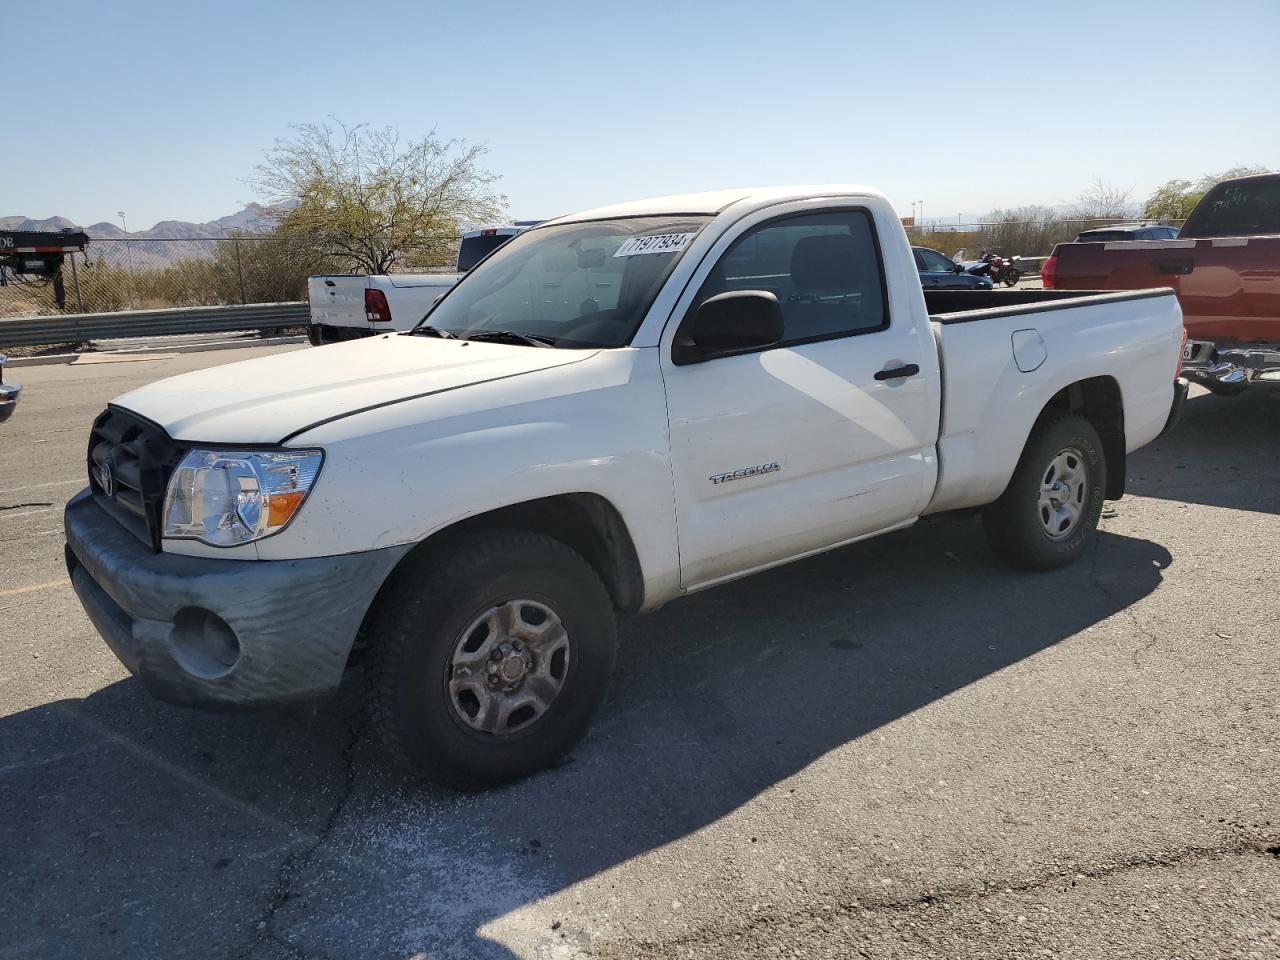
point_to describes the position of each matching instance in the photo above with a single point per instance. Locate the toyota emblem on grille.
(106, 479)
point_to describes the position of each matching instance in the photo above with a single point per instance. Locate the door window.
(933, 261)
(824, 268)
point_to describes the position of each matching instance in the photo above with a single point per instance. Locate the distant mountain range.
(167, 241)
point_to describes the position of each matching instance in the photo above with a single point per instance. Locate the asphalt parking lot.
(896, 749)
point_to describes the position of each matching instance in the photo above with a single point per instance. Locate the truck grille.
(129, 461)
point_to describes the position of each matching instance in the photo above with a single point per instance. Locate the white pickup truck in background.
(612, 410)
(350, 307)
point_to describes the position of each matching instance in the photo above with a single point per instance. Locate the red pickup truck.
(1225, 268)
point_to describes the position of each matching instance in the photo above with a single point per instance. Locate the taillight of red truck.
(1049, 270)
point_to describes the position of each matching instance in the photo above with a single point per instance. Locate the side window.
(934, 262)
(824, 268)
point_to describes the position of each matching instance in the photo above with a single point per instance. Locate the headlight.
(228, 497)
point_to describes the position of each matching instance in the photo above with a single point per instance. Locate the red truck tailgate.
(1229, 287)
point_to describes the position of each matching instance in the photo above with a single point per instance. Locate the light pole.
(127, 250)
(921, 203)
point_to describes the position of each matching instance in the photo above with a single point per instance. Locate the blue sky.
(163, 108)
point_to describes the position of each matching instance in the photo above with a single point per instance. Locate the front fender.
(403, 473)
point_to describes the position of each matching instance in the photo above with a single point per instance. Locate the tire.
(1011, 278)
(478, 596)
(1027, 527)
(315, 336)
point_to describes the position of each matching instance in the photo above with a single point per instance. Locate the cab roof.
(715, 201)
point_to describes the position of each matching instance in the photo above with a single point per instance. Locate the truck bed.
(967, 306)
(1004, 354)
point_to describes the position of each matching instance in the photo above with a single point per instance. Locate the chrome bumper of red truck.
(1232, 368)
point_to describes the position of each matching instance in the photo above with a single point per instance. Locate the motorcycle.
(999, 269)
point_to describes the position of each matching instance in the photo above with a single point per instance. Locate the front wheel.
(490, 658)
(1049, 513)
(1011, 278)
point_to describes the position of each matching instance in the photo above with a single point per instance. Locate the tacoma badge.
(741, 474)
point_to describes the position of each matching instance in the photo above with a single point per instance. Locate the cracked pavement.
(899, 749)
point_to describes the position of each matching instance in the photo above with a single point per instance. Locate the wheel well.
(1099, 401)
(586, 522)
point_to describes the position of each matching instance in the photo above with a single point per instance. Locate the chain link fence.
(1010, 237)
(146, 274)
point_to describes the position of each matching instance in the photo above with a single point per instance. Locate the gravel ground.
(899, 749)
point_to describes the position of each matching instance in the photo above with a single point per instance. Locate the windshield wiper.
(426, 330)
(510, 336)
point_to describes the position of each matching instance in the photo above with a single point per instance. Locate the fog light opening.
(203, 644)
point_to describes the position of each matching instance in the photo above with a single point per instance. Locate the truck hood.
(268, 399)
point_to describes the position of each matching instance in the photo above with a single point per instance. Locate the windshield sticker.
(659, 243)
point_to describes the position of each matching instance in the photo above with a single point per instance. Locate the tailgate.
(1122, 264)
(337, 301)
(1229, 287)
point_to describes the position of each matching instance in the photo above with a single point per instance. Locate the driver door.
(806, 443)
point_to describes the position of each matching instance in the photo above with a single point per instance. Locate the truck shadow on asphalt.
(1224, 453)
(148, 830)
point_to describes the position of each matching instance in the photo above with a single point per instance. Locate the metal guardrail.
(80, 327)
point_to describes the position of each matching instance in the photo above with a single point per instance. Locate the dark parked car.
(8, 393)
(940, 272)
(1129, 231)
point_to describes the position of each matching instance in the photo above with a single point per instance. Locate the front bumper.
(9, 393)
(221, 633)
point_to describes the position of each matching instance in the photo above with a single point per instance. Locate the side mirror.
(729, 323)
(956, 268)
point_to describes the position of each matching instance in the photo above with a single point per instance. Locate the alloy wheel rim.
(508, 666)
(1064, 492)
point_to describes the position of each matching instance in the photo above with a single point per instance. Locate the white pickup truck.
(614, 409)
(351, 307)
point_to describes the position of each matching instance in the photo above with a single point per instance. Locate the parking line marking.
(48, 585)
(295, 834)
(52, 483)
(26, 513)
(44, 761)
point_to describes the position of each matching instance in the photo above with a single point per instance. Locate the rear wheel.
(490, 658)
(1049, 513)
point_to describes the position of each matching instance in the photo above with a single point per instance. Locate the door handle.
(894, 373)
(1178, 267)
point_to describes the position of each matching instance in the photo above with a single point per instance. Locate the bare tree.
(1103, 201)
(366, 199)
(1027, 231)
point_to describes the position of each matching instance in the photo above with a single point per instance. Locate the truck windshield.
(1246, 208)
(573, 285)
